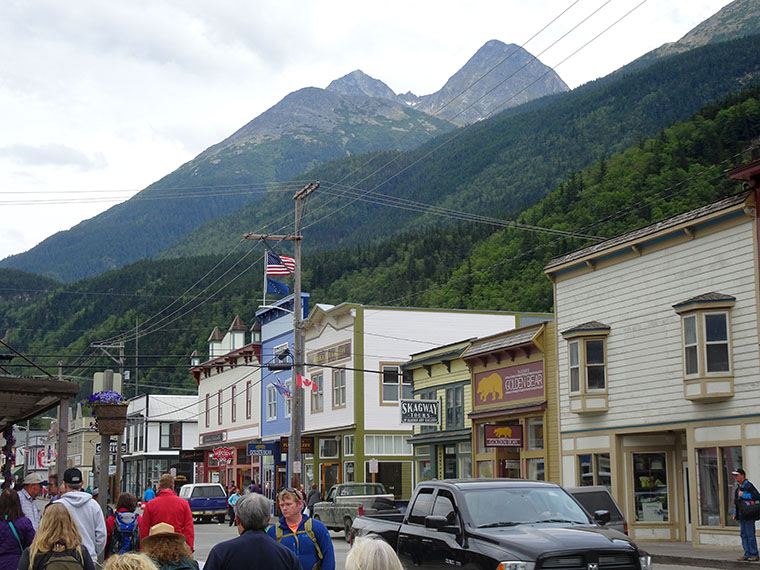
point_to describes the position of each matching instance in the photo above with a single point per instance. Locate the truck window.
(215, 492)
(444, 506)
(421, 507)
(197, 492)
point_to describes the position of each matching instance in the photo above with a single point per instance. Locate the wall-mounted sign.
(191, 456)
(307, 444)
(328, 355)
(503, 436)
(112, 446)
(224, 455)
(213, 437)
(510, 384)
(261, 449)
(426, 412)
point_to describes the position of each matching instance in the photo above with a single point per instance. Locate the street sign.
(373, 464)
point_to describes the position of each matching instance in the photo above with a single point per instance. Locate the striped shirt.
(29, 508)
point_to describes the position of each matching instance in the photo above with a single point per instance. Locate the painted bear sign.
(510, 384)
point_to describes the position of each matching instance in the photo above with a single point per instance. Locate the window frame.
(233, 411)
(271, 403)
(454, 407)
(583, 365)
(404, 384)
(167, 430)
(339, 388)
(699, 313)
(318, 395)
(289, 401)
(208, 410)
(219, 408)
(248, 399)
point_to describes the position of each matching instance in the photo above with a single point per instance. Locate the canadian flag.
(305, 383)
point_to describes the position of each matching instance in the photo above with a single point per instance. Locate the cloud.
(53, 155)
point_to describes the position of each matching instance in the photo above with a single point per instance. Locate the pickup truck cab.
(501, 524)
(207, 500)
(346, 501)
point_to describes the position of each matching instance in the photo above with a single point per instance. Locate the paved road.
(209, 534)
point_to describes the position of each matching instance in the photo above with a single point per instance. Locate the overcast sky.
(99, 99)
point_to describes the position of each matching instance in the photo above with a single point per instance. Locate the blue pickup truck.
(207, 500)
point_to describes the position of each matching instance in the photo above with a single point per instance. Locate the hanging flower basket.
(110, 411)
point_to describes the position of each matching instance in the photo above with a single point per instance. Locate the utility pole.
(295, 465)
(63, 431)
(120, 438)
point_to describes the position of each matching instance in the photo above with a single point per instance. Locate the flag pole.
(264, 290)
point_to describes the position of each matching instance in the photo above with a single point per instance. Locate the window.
(233, 414)
(328, 448)
(318, 395)
(594, 469)
(350, 472)
(535, 433)
(706, 337)
(171, 435)
(248, 396)
(271, 403)
(444, 506)
(208, 407)
(650, 483)
(387, 445)
(536, 469)
(421, 507)
(339, 388)
(455, 407)
(219, 414)
(348, 445)
(591, 353)
(711, 479)
(288, 400)
(396, 385)
(428, 395)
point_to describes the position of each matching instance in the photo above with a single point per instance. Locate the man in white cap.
(32, 487)
(85, 512)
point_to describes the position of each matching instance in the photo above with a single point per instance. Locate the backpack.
(307, 528)
(125, 536)
(64, 560)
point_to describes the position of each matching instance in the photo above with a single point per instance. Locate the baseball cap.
(34, 479)
(73, 476)
(739, 471)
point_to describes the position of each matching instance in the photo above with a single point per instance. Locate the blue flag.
(281, 388)
(276, 287)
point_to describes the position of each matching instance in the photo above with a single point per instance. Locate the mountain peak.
(359, 83)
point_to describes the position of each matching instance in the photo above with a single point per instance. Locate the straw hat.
(161, 530)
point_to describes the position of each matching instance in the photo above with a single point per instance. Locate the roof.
(172, 408)
(24, 397)
(647, 231)
(706, 298)
(502, 341)
(216, 335)
(237, 325)
(587, 327)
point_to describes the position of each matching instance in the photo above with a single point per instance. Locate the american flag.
(280, 264)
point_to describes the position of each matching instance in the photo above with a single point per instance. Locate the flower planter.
(111, 418)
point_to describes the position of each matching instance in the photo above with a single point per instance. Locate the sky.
(100, 99)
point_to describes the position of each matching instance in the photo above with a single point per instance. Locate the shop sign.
(262, 448)
(112, 447)
(510, 384)
(307, 444)
(213, 437)
(191, 456)
(224, 455)
(327, 355)
(426, 412)
(503, 436)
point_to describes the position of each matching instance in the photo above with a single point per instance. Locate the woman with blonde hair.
(130, 561)
(372, 554)
(168, 549)
(57, 537)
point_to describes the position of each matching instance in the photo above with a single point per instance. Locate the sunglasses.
(294, 491)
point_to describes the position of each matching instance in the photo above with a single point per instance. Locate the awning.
(441, 436)
(508, 411)
(24, 397)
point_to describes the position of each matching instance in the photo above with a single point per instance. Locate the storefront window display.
(465, 460)
(536, 469)
(485, 469)
(732, 460)
(711, 479)
(594, 469)
(650, 487)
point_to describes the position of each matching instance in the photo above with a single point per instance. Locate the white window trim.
(271, 403)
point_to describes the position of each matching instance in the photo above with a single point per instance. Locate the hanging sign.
(223, 455)
(426, 412)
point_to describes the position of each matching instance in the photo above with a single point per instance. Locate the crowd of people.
(71, 532)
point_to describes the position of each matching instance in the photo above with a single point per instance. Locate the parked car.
(207, 500)
(346, 501)
(598, 498)
(485, 524)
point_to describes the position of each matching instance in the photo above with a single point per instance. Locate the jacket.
(302, 546)
(744, 491)
(251, 547)
(168, 508)
(89, 518)
(10, 551)
(184, 563)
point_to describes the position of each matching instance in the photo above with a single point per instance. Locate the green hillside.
(467, 266)
(503, 165)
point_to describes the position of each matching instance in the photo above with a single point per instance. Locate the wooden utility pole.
(296, 417)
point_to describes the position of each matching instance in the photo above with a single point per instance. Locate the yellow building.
(515, 413)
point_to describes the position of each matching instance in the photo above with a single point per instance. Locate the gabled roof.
(216, 335)
(237, 325)
(590, 326)
(706, 298)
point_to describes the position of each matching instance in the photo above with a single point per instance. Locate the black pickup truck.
(501, 524)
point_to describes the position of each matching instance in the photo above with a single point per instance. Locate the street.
(209, 534)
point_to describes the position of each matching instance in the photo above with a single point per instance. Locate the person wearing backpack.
(57, 544)
(307, 538)
(123, 527)
(16, 530)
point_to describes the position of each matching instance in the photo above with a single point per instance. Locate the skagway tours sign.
(426, 412)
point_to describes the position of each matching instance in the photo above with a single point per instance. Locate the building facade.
(354, 355)
(658, 360)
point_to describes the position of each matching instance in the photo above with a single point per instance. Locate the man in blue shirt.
(745, 491)
(309, 539)
(253, 546)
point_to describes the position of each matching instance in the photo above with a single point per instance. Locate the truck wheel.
(347, 528)
(221, 519)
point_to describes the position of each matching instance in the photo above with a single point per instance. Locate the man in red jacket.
(167, 507)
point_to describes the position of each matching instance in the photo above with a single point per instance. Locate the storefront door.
(687, 500)
(330, 476)
(450, 462)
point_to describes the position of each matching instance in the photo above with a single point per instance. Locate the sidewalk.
(685, 554)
